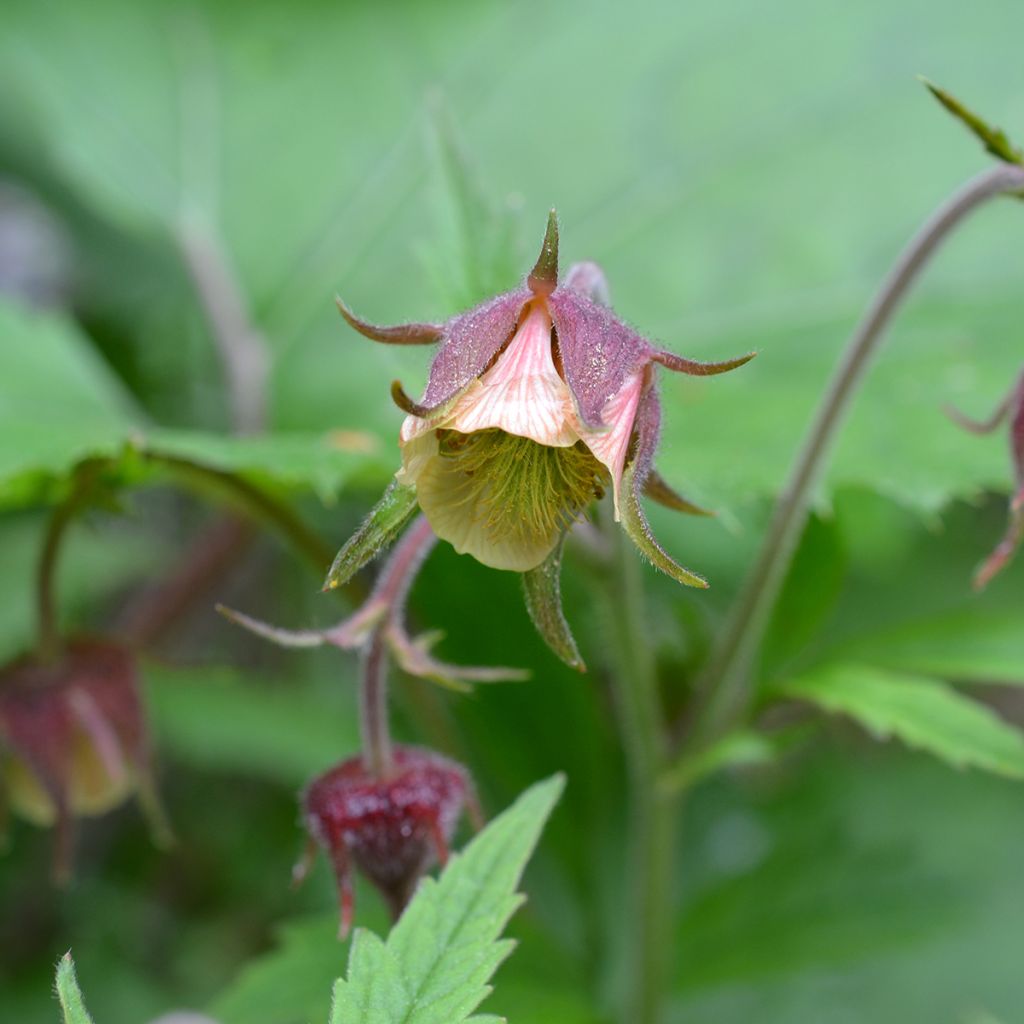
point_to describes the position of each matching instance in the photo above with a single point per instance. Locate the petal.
(588, 280)
(522, 393)
(610, 446)
(470, 343)
(599, 352)
(459, 514)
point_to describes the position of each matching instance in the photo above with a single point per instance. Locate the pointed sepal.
(634, 522)
(543, 278)
(658, 489)
(543, 595)
(993, 139)
(400, 334)
(387, 519)
(696, 368)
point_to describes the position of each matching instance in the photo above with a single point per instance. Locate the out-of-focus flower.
(1011, 409)
(74, 741)
(393, 829)
(537, 401)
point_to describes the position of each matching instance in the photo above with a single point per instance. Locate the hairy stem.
(726, 682)
(391, 591)
(648, 917)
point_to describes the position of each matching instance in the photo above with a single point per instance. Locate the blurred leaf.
(926, 714)
(436, 963)
(223, 720)
(72, 1004)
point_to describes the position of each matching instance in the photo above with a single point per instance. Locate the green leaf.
(543, 595)
(72, 1004)
(437, 961)
(386, 520)
(994, 140)
(926, 714)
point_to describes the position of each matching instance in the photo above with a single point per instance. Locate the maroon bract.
(393, 829)
(536, 401)
(1011, 408)
(73, 739)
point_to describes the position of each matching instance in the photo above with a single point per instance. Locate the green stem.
(653, 814)
(726, 684)
(257, 503)
(47, 630)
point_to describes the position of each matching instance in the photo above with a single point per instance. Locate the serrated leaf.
(72, 1004)
(926, 714)
(437, 961)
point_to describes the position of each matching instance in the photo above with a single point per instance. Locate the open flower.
(538, 400)
(1011, 408)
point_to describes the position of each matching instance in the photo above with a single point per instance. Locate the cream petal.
(610, 446)
(458, 514)
(522, 393)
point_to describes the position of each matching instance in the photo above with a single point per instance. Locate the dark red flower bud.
(73, 739)
(393, 829)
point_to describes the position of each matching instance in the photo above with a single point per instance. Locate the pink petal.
(610, 446)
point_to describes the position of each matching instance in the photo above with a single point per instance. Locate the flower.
(538, 400)
(393, 829)
(74, 741)
(1012, 409)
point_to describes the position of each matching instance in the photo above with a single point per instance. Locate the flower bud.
(73, 739)
(393, 829)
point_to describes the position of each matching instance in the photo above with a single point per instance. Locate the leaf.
(437, 961)
(994, 140)
(926, 714)
(72, 1004)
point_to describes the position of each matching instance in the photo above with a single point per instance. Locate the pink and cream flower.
(538, 401)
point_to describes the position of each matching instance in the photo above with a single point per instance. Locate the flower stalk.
(726, 683)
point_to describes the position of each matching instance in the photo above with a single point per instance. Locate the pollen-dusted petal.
(471, 341)
(522, 393)
(610, 445)
(599, 352)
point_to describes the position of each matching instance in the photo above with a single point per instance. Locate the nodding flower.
(538, 401)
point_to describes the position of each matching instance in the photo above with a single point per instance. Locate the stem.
(258, 503)
(648, 918)
(373, 707)
(391, 589)
(726, 682)
(48, 634)
(240, 345)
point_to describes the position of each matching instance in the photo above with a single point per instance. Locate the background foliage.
(744, 172)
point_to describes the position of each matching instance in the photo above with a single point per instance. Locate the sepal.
(543, 279)
(543, 597)
(400, 334)
(387, 519)
(634, 522)
(993, 139)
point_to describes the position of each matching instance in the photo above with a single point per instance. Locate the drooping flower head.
(1012, 409)
(537, 401)
(393, 829)
(74, 740)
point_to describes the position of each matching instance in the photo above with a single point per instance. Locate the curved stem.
(653, 812)
(47, 632)
(725, 683)
(391, 590)
(256, 502)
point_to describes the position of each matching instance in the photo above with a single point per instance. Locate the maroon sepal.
(392, 829)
